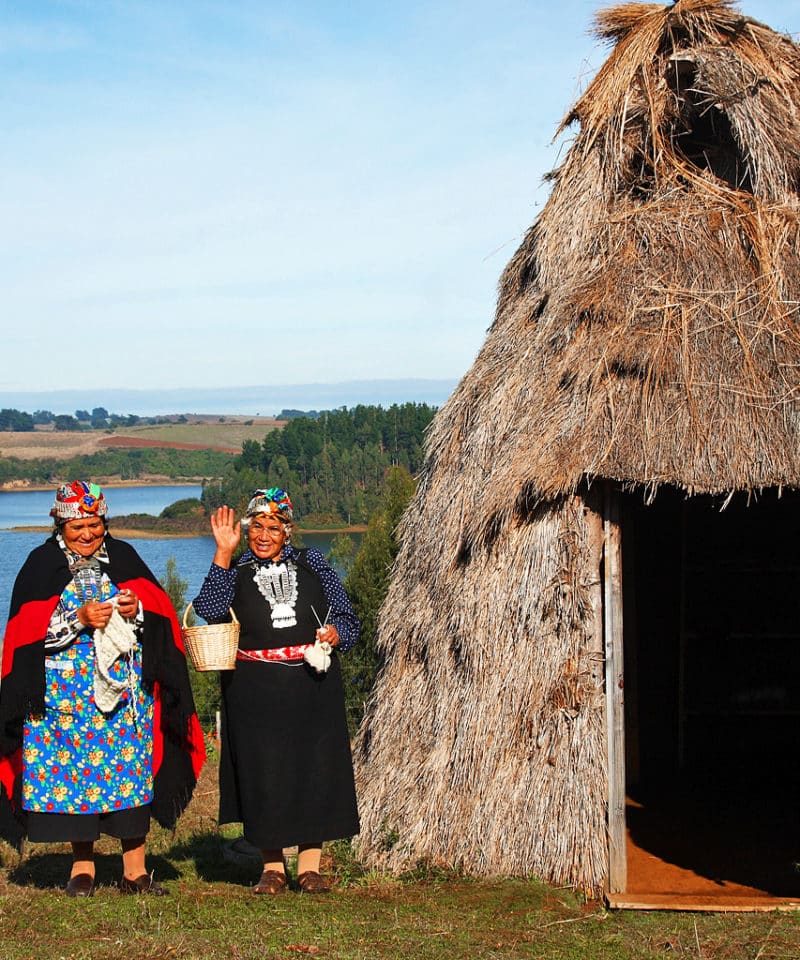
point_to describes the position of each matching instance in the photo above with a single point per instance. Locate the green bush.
(366, 583)
(188, 507)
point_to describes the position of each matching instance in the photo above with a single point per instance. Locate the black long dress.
(286, 771)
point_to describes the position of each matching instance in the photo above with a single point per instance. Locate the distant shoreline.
(160, 530)
(123, 533)
(21, 486)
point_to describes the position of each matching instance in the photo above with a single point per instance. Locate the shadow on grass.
(209, 855)
(47, 870)
(213, 861)
(206, 854)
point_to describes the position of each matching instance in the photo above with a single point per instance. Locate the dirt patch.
(713, 846)
(130, 442)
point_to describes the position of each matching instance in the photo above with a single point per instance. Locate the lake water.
(27, 508)
(192, 554)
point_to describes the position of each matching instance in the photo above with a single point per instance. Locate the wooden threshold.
(700, 903)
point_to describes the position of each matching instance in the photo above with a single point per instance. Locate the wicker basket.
(211, 646)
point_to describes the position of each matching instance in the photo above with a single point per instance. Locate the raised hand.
(227, 531)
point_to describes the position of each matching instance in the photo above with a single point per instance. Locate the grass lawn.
(431, 915)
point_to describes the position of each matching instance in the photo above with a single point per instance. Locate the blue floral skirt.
(78, 760)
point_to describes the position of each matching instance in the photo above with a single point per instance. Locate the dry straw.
(647, 333)
(211, 646)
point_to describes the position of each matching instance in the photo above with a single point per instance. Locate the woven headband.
(273, 501)
(78, 500)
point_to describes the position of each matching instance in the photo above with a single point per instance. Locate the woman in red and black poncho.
(97, 723)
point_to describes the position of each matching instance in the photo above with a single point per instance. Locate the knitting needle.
(316, 616)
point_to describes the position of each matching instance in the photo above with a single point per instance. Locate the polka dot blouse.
(216, 594)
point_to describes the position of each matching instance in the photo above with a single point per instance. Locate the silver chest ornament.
(277, 584)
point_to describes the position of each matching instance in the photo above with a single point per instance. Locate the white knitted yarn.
(117, 639)
(318, 656)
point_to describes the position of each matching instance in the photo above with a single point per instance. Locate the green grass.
(430, 915)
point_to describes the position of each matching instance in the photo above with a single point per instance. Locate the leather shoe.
(312, 882)
(272, 882)
(81, 885)
(143, 884)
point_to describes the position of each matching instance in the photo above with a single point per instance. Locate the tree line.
(127, 463)
(98, 418)
(334, 465)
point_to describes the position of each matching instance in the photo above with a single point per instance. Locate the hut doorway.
(712, 697)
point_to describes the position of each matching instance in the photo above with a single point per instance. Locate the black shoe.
(143, 884)
(81, 885)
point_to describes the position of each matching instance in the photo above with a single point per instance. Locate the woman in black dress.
(285, 769)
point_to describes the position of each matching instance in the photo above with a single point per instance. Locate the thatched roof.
(647, 328)
(646, 332)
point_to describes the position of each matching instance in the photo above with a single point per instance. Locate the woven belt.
(276, 654)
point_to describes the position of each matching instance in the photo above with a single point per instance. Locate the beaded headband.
(78, 500)
(273, 501)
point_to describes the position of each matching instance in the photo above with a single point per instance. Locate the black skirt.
(286, 771)
(87, 827)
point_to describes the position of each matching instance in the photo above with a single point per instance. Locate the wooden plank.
(630, 621)
(689, 902)
(615, 703)
(593, 515)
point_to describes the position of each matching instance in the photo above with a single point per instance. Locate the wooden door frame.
(614, 688)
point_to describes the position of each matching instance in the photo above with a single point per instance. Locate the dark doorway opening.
(712, 694)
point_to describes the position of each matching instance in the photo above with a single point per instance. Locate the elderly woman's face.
(83, 536)
(266, 536)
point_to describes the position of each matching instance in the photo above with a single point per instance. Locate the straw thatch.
(646, 333)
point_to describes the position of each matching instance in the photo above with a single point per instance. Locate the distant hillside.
(261, 400)
(198, 433)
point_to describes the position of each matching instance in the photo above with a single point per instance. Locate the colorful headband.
(77, 500)
(273, 501)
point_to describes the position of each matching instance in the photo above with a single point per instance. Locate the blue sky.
(224, 193)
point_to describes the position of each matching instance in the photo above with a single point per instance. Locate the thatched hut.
(630, 428)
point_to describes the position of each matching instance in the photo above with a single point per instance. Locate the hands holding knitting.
(328, 634)
(96, 615)
(127, 604)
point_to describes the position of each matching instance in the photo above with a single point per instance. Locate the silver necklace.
(277, 584)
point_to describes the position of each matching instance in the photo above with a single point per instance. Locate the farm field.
(216, 433)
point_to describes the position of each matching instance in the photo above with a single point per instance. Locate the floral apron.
(76, 759)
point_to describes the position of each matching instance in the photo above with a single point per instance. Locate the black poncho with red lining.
(178, 747)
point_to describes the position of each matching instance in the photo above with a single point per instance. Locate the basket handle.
(189, 607)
